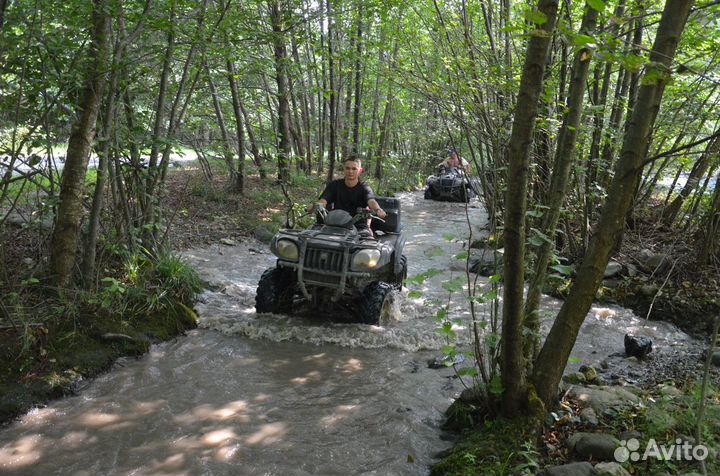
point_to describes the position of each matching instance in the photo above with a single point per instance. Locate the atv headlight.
(366, 259)
(288, 250)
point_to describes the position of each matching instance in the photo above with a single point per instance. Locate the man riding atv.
(453, 160)
(451, 183)
(349, 194)
(336, 261)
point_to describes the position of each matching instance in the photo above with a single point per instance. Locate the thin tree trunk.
(278, 40)
(358, 89)
(554, 355)
(512, 368)
(564, 159)
(224, 135)
(239, 129)
(697, 173)
(88, 263)
(149, 192)
(333, 93)
(70, 210)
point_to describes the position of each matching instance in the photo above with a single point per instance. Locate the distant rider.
(453, 160)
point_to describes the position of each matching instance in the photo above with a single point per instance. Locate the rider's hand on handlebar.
(381, 213)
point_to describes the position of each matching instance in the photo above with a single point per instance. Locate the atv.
(450, 185)
(331, 263)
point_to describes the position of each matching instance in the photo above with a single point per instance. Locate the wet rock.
(587, 415)
(611, 469)
(486, 261)
(444, 361)
(572, 469)
(637, 346)
(613, 268)
(648, 289)
(630, 270)
(597, 446)
(575, 378)
(228, 242)
(658, 263)
(630, 434)
(589, 373)
(603, 398)
(715, 359)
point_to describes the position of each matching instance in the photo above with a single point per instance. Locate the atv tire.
(400, 277)
(428, 194)
(275, 291)
(372, 301)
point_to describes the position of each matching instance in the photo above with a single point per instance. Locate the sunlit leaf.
(598, 5)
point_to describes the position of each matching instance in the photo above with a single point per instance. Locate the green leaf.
(468, 372)
(495, 278)
(562, 269)
(534, 213)
(441, 314)
(583, 40)
(492, 339)
(415, 294)
(456, 285)
(462, 255)
(535, 16)
(448, 237)
(598, 5)
(574, 360)
(496, 385)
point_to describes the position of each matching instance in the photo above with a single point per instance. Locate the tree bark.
(512, 367)
(70, 210)
(564, 159)
(239, 129)
(281, 77)
(696, 174)
(554, 355)
(333, 94)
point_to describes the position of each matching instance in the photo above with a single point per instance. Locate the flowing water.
(249, 394)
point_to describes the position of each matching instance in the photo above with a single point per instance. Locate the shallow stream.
(249, 394)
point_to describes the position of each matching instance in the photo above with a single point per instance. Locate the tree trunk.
(224, 135)
(70, 210)
(158, 126)
(554, 355)
(239, 129)
(333, 94)
(512, 368)
(564, 159)
(697, 173)
(709, 245)
(358, 89)
(278, 39)
(281, 77)
(88, 263)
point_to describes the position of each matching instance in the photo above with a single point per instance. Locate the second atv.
(330, 263)
(449, 185)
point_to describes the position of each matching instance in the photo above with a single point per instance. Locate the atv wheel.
(373, 301)
(402, 275)
(428, 193)
(275, 291)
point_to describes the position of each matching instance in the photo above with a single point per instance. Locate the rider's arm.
(375, 206)
(312, 206)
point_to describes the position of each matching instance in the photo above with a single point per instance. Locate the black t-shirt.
(341, 197)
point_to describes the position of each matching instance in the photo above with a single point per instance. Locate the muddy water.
(249, 394)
